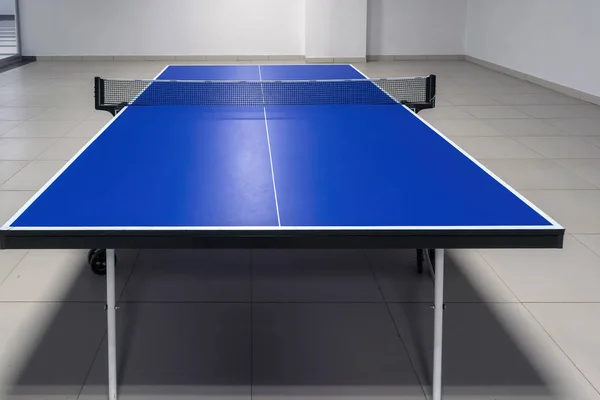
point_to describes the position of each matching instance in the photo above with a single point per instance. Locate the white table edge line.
(481, 166)
(508, 187)
(285, 228)
(21, 210)
(253, 65)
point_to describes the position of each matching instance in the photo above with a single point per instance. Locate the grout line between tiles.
(14, 127)
(586, 246)
(399, 335)
(13, 175)
(89, 371)
(560, 348)
(13, 268)
(137, 256)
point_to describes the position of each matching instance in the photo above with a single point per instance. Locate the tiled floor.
(312, 324)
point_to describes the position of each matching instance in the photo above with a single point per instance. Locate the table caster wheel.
(97, 261)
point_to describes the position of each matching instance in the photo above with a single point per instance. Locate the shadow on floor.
(277, 349)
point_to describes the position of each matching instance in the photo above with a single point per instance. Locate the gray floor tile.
(468, 278)
(484, 112)
(41, 129)
(521, 86)
(77, 100)
(61, 275)
(576, 210)
(472, 337)
(8, 261)
(11, 202)
(536, 174)
(551, 275)
(99, 116)
(396, 274)
(447, 112)
(577, 126)
(6, 126)
(491, 352)
(491, 88)
(589, 169)
(33, 176)
(575, 329)
(536, 99)
(8, 92)
(562, 111)
(19, 113)
(591, 241)
(64, 114)
(315, 351)
(48, 348)
(595, 140)
(64, 149)
(464, 127)
(561, 147)
(494, 147)
(190, 276)
(7, 98)
(473, 100)
(312, 276)
(441, 101)
(9, 168)
(178, 351)
(523, 127)
(36, 100)
(86, 129)
(23, 149)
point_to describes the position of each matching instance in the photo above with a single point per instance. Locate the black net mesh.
(264, 93)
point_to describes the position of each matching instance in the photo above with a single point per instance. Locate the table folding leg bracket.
(111, 324)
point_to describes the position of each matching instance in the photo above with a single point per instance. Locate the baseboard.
(222, 58)
(342, 60)
(58, 58)
(414, 57)
(287, 58)
(96, 58)
(258, 58)
(13, 62)
(538, 81)
(446, 57)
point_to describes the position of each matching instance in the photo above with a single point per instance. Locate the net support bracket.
(99, 97)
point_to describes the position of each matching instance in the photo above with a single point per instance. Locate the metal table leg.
(111, 324)
(438, 323)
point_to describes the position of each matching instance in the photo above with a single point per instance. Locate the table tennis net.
(112, 94)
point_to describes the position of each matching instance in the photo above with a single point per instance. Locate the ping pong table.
(274, 156)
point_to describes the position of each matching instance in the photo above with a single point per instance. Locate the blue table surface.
(333, 166)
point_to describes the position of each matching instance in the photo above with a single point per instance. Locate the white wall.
(416, 27)
(336, 28)
(159, 27)
(558, 41)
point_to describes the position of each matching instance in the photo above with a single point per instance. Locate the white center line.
(269, 145)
